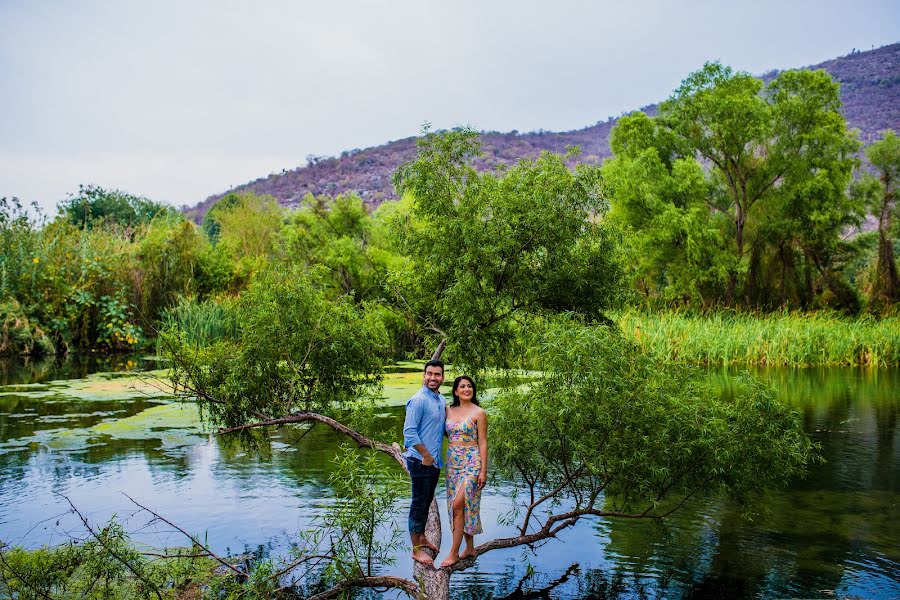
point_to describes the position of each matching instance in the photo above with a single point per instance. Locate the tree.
(676, 232)
(337, 233)
(171, 255)
(770, 163)
(604, 432)
(93, 204)
(486, 252)
(243, 228)
(879, 195)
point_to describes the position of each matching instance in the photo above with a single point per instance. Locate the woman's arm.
(482, 447)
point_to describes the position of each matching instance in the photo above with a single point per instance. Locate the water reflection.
(834, 532)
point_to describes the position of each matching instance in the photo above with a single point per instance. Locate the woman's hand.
(482, 479)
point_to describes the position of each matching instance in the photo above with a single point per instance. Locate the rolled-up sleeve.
(411, 424)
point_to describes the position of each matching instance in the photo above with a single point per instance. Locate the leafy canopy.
(92, 205)
(735, 184)
(486, 251)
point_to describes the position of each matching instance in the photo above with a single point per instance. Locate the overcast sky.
(178, 100)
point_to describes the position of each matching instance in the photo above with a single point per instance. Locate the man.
(423, 436)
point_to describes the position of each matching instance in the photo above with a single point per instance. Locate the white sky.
(178, 100)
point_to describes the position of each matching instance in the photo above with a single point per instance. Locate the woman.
(466, 466)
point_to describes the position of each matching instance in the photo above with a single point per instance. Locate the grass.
(780, 339)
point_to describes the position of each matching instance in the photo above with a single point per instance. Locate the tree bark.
(439, 350)
(885, 290)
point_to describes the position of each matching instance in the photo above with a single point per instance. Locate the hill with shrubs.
(870, 91)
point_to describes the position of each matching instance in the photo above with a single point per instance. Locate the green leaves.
(296, 348)
(735, 185)
(362, 535)
(485, 250)
(609, 419)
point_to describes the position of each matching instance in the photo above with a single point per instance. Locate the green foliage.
(782, 339)
(483, 249)
(19, 244)
(93, 206)
(119, 332)
(107, 566)
(358, 526)
(100, 284)
(80, 287)
(20, 336)
(211, 226)
(677, 245)
(201, 323)
(173, 258)
(609, 419)
(736, 192)
(340, 235)
(296, 348)
(879, 194)
(243, 228)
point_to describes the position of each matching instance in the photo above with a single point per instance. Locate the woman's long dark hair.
(474, 390)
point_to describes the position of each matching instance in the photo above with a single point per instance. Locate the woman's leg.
(470, 546)
(458, 508)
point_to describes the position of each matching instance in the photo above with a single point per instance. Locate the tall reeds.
(781, 339)
(201, 323)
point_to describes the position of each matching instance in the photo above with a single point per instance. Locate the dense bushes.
(18, 335)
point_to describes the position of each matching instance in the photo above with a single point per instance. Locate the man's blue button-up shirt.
(424, 424)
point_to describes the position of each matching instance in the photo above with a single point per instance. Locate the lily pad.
(99, 386)
(154, 422)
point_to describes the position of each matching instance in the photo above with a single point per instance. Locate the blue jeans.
(424, 481)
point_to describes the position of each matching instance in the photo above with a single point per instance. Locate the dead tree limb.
(136, 571)
(194, 540)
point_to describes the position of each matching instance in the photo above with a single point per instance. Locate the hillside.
(870, 90)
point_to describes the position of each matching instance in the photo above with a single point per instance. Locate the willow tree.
(879, 192)
(740, 174)
(485, 253)
(512, 268)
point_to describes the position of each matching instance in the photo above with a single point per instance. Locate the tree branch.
(439, 350)
(361, 440)
(194, 540)
(383, 581)
(551, 528)
(112, 552)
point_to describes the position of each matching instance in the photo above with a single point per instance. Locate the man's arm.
(411, 430)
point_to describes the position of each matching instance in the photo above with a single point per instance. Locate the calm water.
(834, 534)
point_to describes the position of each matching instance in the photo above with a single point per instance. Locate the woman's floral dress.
(463, 467)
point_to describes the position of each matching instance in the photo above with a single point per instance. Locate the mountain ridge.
(870, 91)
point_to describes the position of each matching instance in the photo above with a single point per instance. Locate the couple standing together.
(464, 422)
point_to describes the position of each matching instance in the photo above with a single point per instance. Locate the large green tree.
(744, 177)
(485, 252)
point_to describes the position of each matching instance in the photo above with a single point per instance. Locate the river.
(75, 431)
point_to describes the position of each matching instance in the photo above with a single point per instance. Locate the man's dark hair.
(434, 363)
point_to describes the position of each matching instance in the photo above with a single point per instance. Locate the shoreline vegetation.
(789, 339)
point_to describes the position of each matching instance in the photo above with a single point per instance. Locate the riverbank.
(780, 339)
